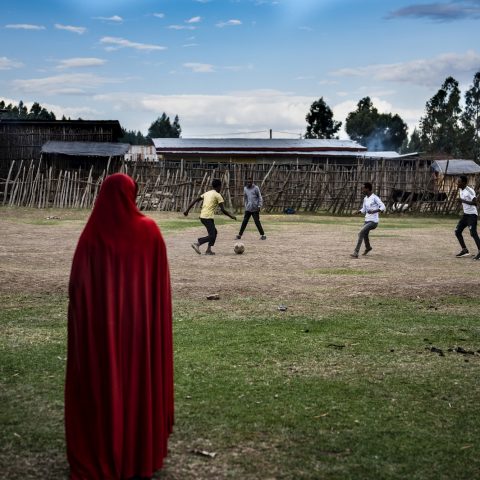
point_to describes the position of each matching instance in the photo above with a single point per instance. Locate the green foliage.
(441, 129)
(20, 112)
(320, 121)
(470, 141)
(414, 144)
(376, 131)
(134, 138)
(163, 128)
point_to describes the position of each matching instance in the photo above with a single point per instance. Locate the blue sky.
(233, 66)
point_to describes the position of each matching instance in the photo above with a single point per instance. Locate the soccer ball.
(239, 248)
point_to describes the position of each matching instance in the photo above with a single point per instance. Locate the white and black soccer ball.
(239, 248)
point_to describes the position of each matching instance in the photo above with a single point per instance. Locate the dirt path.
(298, 260)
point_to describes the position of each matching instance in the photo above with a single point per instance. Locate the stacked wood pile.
(336, 189)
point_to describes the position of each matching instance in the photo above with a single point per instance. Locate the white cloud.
(206, 114)
(81, 62)
(426, 72)
(70, 28)
(199, 67)
(194, 20)
(8, 64)
(306, 29)
(114, 18)
(159, 15)
(115, 43)
(68, 84)
(24, 26)
(188, 45)
(229, 23)
(182, 27)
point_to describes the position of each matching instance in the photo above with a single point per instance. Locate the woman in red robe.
(119, 381)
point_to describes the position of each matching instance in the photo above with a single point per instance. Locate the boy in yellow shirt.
(211, 200)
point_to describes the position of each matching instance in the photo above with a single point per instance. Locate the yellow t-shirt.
(211, 200)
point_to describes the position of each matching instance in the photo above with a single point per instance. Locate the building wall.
(24, 141)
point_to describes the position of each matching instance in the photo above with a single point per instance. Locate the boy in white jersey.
(469, 218)
(371, 207)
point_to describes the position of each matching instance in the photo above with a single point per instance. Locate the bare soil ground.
(298, 262)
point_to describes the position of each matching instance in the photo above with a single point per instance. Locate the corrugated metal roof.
(290, 153)
(252, 144)
(86, 149)
(456, 167)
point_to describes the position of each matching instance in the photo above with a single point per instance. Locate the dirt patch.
(298, 261)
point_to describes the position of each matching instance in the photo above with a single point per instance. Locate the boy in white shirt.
(371, 207)
(469, 218)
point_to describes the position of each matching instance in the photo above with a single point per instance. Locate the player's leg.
(462, 224)
(246, 218)
(472, 225)
(256, 218)
(212, 234)
(361, 236)
(368, 228)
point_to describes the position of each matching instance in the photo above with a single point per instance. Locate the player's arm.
(473, 201)
(226, 212)
(191, 205)
(260, 199)
(380, 205)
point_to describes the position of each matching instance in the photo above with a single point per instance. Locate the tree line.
(447, 127)
(20, 111)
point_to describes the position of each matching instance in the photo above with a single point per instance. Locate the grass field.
(372, 372)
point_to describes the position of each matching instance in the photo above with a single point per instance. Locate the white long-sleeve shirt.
(372, 202)
(468, 193)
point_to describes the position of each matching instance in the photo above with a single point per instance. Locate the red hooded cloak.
(119, 381)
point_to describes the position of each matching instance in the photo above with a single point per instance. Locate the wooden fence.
(332, 188)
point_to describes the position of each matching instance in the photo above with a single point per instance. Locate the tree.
(376, 131)
(441, 124)
(176, 127)
(470, 141)
(134, 138)
(162, 128)
(20, 111)
(415, 143)
(320, 121)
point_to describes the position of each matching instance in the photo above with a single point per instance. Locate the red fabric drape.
(119, 381)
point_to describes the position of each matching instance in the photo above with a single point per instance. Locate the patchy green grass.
(353, 394)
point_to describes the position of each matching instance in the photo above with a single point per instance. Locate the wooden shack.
(95, 156)
(446, 172)
(23, 139)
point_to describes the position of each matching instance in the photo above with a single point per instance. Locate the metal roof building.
(456, 167)
(84, 155)
(246, 150)
(86, 149)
